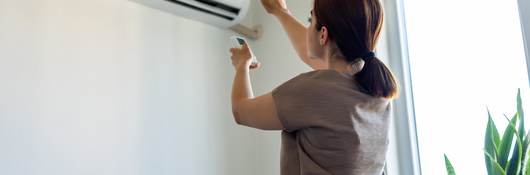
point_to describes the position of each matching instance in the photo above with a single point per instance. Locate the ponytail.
(376, 79)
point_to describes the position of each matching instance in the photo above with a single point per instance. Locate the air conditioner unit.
(226, 14)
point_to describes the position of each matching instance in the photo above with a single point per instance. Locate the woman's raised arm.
(295, 30)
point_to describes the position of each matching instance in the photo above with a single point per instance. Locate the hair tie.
(368, 55)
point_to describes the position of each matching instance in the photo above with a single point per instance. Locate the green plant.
(501, 155)
(449, 166)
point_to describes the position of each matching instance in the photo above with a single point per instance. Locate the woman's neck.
(335, 59)
(338, 63)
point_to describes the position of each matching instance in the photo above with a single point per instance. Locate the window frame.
(524, 16)
(403, 157)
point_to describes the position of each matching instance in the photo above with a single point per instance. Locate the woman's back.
(333, 122)
(330, 126)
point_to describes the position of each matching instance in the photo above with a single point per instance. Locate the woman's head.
(351, 28)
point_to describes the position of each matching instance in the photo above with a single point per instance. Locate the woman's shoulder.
(328, 83)
(325, 74)
(315, 76)
(318, 82)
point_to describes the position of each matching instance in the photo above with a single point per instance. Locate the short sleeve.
(297, 103)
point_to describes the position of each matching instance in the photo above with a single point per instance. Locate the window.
(464, 56)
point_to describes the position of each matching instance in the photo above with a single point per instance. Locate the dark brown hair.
(355, 26)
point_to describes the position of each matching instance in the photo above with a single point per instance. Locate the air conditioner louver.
(221, 13)
(211, 5)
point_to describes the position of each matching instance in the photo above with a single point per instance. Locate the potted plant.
(506, 155)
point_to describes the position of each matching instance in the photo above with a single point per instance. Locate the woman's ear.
(324, 37)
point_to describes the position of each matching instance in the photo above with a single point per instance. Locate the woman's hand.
(242, 58)
(274, 7)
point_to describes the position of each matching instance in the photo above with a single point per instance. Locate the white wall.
(113, 87)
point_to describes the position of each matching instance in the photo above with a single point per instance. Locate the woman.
(335, 118)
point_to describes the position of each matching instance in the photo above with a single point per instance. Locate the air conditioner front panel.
(220, 13)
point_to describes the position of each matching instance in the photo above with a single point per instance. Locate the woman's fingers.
(267, 5)
(255, 65)
(245, 47)
(243, 55)
(239, 50)
(273, 6)
(243, 50)
(231, 50)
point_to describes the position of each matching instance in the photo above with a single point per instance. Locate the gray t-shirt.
(330, 126)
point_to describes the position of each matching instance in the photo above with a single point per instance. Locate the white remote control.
(238, 42)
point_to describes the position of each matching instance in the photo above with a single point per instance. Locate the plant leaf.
(526, 166)
(506, 142)
(495, 133)
(523, 137)
(496, 168)
(514, 166)
(520, 112)
(491, 143)
(525, 158)
(449, 166)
